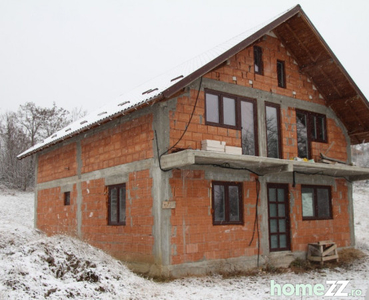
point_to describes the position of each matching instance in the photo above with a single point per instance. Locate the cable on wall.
(256, 221)
(184, 132)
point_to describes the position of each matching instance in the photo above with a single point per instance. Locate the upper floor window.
(273, 130)
(220, 110)
(227, 203)
(234, 112)
(316, 202)
(310, 127)
(281, 75)
(117, 204)
(258, 60)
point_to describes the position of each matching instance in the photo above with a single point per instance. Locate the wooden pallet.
(322, 251)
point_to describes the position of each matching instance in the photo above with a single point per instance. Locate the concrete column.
(79, 189)
(161, 189)
(36, 192)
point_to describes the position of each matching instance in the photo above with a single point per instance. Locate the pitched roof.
(302, 40)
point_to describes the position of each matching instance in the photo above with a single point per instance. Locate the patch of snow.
(34, 266)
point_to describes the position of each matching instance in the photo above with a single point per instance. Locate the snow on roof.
(144, 93)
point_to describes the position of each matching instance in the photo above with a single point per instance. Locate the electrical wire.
(256, 221)
(183, 133)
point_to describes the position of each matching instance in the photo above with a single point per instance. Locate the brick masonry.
(193, 237)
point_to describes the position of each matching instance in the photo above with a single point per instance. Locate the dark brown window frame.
(278, 107)
(66, 198)
(315, 202)
(227, 221)
(118, 221)
(281, 74)
(238, 126)
(309, 117)
(258, 60)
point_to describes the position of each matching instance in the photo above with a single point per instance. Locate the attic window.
(123, 103)
(258, 60)
(281, 74)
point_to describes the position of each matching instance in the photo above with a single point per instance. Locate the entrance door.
(279, 220)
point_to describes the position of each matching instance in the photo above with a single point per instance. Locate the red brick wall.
(125, 143)
(59, 163)
(134, 241)
(197, 131)
(55, 217)
(194, 237)
(241, 66)
(336, 229)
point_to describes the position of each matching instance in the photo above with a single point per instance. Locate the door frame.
(285, 187)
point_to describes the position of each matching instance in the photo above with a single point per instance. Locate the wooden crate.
(322, 251)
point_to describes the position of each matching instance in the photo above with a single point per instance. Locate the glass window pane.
(282, 225)
(229, 111)
(122, 204)
(272, 210)
(321, 128)
(234, 204)
(274, 241)
(212, 108)
(307, 202)
(219, 203)
(272, 132)
(314, 134)
(272, 195)
(113, 204)
(302, 138)
(282, 241)
(281, 210)
(280, 195)
(273, 226)
(248, 128)
(323, 203)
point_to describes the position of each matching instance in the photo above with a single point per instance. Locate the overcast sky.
(83, 53)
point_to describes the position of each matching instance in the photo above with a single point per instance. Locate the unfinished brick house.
(218, 164)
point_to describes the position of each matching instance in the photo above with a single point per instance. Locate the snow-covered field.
(34, 266)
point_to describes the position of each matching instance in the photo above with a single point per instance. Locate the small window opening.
(67, 198)
(258, 60)
(281, 74)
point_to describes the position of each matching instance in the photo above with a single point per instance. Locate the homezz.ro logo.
(333, 288)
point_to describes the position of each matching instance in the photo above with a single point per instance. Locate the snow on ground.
(34, 266)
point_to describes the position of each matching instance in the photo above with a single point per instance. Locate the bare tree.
(14, 173)
(22, 130)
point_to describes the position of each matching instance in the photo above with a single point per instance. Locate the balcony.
(260, 165)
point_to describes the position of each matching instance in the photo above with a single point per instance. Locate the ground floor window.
(67, 198)
(117, 204)
(316, 202)
(227, 203)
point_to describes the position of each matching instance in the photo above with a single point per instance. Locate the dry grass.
(347, 257)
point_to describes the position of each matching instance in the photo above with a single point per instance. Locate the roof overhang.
(260, 165)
